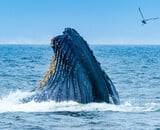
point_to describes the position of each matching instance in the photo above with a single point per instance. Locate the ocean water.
(135, 71)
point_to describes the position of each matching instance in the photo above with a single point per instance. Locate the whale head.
(76, 74)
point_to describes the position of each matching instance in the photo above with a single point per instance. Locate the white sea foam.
(11, 103)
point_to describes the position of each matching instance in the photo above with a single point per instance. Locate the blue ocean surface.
(134, 70)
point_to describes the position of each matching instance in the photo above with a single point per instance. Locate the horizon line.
(136, 43)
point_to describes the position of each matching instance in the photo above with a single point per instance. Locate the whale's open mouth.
(75, 74)
(48, 73)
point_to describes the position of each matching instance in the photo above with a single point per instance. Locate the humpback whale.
(74, 74)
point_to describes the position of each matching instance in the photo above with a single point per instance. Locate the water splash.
(11, 103)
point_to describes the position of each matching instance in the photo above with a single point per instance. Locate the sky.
(98, 21)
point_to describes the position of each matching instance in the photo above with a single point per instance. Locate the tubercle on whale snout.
(56, 42)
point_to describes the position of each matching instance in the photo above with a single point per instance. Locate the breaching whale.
(74, 74)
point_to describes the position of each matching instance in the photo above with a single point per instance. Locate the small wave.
(11, 103)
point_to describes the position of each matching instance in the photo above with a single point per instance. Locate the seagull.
(144, 21)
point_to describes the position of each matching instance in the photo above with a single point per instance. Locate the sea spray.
(12, 103)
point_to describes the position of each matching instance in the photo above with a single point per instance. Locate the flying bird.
(144, 21)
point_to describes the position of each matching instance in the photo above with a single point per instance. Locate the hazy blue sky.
(98, 21)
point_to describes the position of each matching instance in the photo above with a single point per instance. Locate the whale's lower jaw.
(77, 74)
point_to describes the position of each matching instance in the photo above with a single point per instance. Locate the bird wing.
(151, 19)
(141, 13)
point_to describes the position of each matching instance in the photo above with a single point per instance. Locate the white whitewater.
(11, 103)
